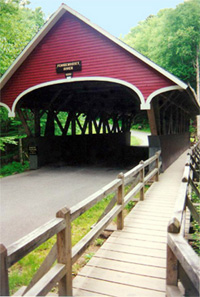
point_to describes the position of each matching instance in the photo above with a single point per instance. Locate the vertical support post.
(152, 121)
(20, 151)
(90, 126)
(4, 286)
(157, 166)
(120, 201)
(37, 122)
(64, 253)
(172, 268)
(74, 123)
(50, 128)
(142, 181)
(24, 123)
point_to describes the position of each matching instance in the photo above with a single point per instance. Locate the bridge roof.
(67, 37)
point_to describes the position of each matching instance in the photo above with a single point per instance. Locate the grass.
(135, 141)
(22, 272)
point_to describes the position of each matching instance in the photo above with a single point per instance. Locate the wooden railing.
(62, 253)
(183, 263)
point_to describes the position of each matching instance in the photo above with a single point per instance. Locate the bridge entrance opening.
(80, 122)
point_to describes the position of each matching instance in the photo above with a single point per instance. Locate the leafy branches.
(171, 39)
(18, 26)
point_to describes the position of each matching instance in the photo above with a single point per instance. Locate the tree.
(18, 26)
(172, 40)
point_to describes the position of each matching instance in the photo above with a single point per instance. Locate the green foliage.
(82, 225)
(99, 242)
(171, 39)
(18, 26)
(141, 122)
(135, 141)
(11, 130)
(13, 168)
(88, 257)
(196, 227)
(7, 140)
(21, 273)
(130, 205)
(193, 128)
(196, 237)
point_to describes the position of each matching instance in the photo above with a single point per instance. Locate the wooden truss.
(73, 123)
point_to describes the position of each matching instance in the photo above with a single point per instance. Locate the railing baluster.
(64, 253)
(4, 287)
(172, 268)
(142, 181)
(120, 201)
(157, 166)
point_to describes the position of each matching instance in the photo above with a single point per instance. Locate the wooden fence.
(182, 262)
(62, 253)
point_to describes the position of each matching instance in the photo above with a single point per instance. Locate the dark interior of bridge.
(86, 121)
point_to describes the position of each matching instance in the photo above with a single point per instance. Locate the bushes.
(13, 168)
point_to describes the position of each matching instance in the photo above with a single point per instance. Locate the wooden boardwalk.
(132, 262)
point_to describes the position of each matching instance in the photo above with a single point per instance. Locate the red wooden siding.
(72, 40)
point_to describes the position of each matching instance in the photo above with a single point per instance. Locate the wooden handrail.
(182, 261)
(46, 277)
(84, 243)
(87, 203)
(186, 256)
(28, 243)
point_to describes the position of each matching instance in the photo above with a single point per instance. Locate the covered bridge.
(81, 81)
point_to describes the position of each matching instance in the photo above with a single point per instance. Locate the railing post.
(4, 286)
(64, 253)
(120, 201)
(142, 181)
(157, 167)
(172, 268)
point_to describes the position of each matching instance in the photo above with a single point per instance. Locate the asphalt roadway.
(30, 199)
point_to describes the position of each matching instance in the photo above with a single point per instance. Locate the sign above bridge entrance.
(68, 67)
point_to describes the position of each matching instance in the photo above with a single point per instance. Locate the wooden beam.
(152, 121)
(64, 248)
(68, 120)
(48, 281)
(73, 123)
(189, 287)
(4, 286)
(193, 210)
(186, 256)
(53, 99)
(44, 268)
(59, 123)
(28, 243)
(79, 124)
(120, 201)
(37, 122)
(172, 268)
(50, 129)
(24, 123)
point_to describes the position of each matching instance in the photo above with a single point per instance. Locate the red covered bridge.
(100, 84)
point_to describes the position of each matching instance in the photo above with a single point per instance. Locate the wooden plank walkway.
(132, 262)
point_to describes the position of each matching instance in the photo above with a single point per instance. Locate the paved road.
(30, 199)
